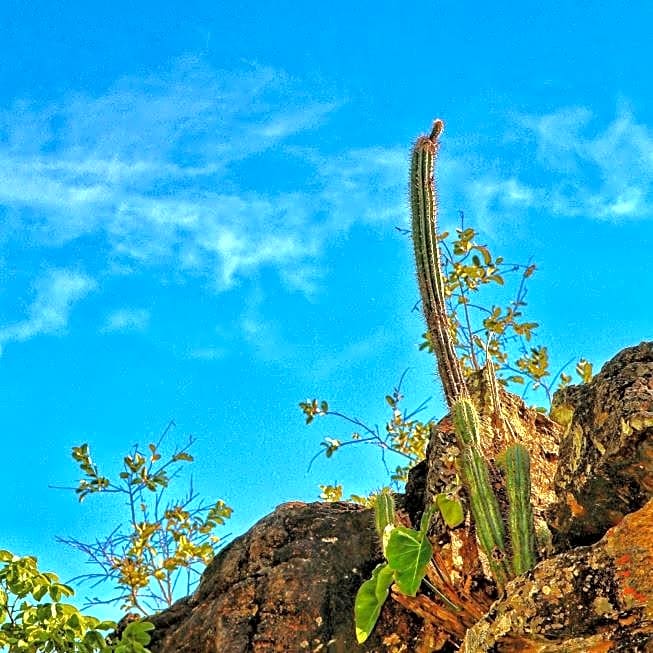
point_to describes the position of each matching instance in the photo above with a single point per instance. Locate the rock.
(606, 452)
(597, 598)
(287, 585)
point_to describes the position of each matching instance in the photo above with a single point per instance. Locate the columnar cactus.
(474, 468)
(516, 463)
(423, 202)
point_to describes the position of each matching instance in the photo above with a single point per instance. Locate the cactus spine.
(516, 461)
(423, 202)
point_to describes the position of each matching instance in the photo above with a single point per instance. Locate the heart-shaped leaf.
(370, 598)
(408, 552)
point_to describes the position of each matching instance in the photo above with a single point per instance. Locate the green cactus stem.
(516, 463)
(423, 202)
(473, 467)
(490, 530)
(466, 423)
(384, 511)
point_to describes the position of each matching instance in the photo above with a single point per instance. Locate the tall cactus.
(424, 208)
(473, 467)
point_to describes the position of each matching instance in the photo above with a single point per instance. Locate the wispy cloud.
(596, 170)
(364, 185)
(127, 319)
(163, 172)
(154, 168)
(149, 168)
(55, 294)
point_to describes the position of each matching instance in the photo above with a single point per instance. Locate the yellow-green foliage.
(162, 538)
(35, 619)
(479, 326)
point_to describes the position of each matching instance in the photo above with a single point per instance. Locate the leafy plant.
(407, 553)
(34, 618)
(464, 347)
(135, 637)
(479, 328)
(403, 436)
(162, 540)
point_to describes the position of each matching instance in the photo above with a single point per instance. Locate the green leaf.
(408, 552)
(425, 521)
(584, 370)
(137, 631)
(451, 510)
(370, 599)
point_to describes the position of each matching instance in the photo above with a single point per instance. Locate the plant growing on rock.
(407, 552)
(480, 330)
(473, 464)
(506, 552)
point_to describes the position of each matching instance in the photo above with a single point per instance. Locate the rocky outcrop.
(289, 583)
(606, 452)
(597, 598)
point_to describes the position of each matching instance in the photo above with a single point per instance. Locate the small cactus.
(384, 511)
(484, 504)
(516, 463)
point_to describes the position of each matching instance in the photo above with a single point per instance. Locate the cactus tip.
(438, 128)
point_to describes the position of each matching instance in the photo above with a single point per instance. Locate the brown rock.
(606, 453)
(597, 598)
(287, 585)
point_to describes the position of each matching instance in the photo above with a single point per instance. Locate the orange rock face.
(597, 598)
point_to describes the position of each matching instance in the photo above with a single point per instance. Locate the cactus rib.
(466, 423)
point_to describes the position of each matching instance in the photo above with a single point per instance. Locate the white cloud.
(164, 173)
(152, 169)
(365, 185)
(55, 294)
(602, 171)
(565, 164)
(127, 319)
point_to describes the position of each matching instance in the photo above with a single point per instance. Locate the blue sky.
(197, 222)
